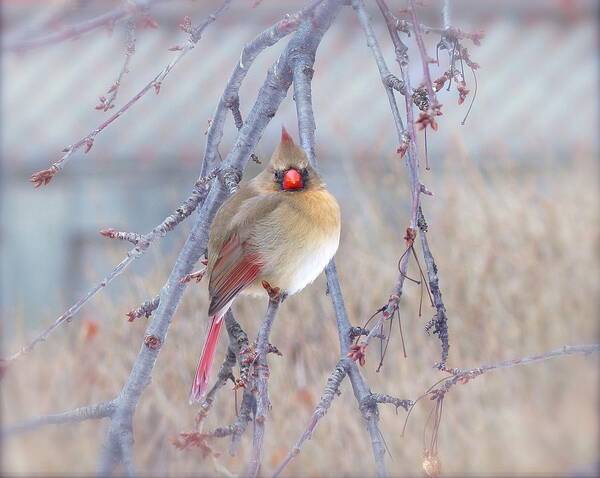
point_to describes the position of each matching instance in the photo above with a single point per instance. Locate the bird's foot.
(274, 292)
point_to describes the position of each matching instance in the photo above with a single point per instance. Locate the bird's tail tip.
(200, 383)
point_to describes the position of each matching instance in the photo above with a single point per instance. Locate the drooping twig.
(100, 410)
(412, 164)
(331, 390)
(45, 176)
(263, 405)
(108, 103)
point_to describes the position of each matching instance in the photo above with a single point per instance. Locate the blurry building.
(537, 97)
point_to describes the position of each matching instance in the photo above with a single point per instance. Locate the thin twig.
(425, 59)
(88, 412)
(384, 72)
(329, 393)
(109, 103)
(45, 176)
(144, 310)
(465, 375)
(108, 19)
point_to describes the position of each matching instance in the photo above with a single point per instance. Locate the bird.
(281, 228)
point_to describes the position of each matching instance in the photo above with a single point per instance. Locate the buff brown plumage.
(282, 227)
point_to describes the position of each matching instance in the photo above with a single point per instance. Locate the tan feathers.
(291, 235)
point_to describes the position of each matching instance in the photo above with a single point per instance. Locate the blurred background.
(514, 228)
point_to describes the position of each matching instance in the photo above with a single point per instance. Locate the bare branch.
(89, 412)
(261, 367)
(439, 322)
(331, 390)
(412, 164)
(465, 375)
(384, 72)
(45, 176)
(385, 398)
(446, 15)
(230, 98)
(404, 140)
(132, 237)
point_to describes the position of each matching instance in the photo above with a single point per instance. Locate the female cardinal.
(282, 227)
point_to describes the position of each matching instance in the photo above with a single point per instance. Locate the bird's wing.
(234, 269)
(234, 260)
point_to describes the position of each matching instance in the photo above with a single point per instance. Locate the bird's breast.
(298, 239)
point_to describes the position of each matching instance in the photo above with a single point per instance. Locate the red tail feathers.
(200, 384)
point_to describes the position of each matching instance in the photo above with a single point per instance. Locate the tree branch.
(331, 390)
(261, 368)
(425, 59)
(417, 218)
(108, 103)
(465, 375)
(89, 412)
(230, 97)
(302, 63)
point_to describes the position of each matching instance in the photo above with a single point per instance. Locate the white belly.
(311, 264)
